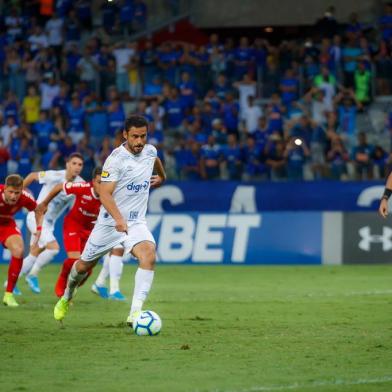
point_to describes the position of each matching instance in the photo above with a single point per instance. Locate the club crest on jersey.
(105, 174)
(68, 185)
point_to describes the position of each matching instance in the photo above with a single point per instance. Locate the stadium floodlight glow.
(298, 142)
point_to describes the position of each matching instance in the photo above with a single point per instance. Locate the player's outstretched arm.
(160, 176)
(33, 176)
(106, 197)
(42, 207)
(383, 209)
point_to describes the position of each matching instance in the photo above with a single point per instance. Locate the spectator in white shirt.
(38, 40)
(49, 91)
(252, 115)
(55, 29)
(7, 130)
(123, 54)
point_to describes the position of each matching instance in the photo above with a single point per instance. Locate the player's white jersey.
(132, 174)
(56, 207)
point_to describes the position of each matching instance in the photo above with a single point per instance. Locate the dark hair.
(135, 121)
(14, 180)
(96, 172)
(75, 155)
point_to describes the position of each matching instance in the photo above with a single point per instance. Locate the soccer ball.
(147, 323)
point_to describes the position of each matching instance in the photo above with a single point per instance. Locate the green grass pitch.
(225, 329)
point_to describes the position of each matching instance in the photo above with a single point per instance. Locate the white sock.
(115, 269)
(44, 258)
(143, 282)
(28, 262)
(74, 279)
(103, 275)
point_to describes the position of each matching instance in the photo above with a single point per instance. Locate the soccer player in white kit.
(47, 248)
(127, 177)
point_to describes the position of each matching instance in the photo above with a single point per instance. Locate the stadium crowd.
(67, 85)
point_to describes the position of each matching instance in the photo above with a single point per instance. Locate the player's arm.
(33, 176)
(383, 209)
(29, 202)
(160, 176)
(42, 207)
(106, 197)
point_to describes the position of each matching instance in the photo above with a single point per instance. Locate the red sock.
(61, 283)
(13, 273)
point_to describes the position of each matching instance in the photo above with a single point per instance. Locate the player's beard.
(136, 149)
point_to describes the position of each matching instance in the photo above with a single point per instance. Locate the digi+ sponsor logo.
(136, 188)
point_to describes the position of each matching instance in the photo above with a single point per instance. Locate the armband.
(387, 194)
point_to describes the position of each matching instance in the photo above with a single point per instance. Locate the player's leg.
(115, 270)
(35, 249)
(66, 267)
(52, 248)
(99, 286)
(107, 238)
(14, 243)
(79, 272)
(72, 245)
(145, 252)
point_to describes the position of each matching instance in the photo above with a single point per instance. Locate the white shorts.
(103, 238)
(46, 233)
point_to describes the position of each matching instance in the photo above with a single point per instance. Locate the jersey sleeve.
(76, 188)
(47, 176)
(111, 169)
(152, 151)
(28, 201)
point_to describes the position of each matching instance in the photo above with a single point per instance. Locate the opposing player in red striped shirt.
(79, 221)
(12, 199)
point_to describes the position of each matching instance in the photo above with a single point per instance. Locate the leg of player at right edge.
(145, 253)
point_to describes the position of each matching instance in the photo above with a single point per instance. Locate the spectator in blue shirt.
(76, 119)
(262, 133)
(296, 154)
(210, 160)
(115, 116)
(148, 59)
(187, 90)
(275, 158)
(385, 22)
(242, 58)
(362, 157)
(289, 87)
(230, 110)
(347, 114)
(139, 15)
(42, 130)
(108, 15)
(167, 62)
(61, 101)
(222, 86)
(254, 161)
(188, 161)
(351, 55)
(126, 16)
(25, 157)
(337, 157)
(174, 108)
(232, 156)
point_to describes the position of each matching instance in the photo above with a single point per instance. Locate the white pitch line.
(315, 384)
(349, 294)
